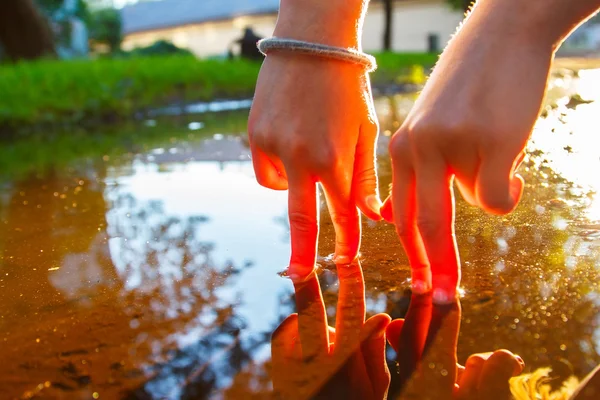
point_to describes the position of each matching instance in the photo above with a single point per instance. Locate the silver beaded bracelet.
(321, 50)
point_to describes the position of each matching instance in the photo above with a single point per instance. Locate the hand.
(428, 337)
(311, 360)
(471, 123)
(313, 121)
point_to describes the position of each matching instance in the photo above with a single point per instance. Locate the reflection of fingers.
(498, 369)
(268, 173)
(404, 207)
(344, 215)
(364, 179)
(498, 188)
(373, 351)
(312, 319)
(414, 335)
(304, 224)
(393, 333)
(283, 340)
(469, 379)
(350, 314)
(440, 348)
(435, 220)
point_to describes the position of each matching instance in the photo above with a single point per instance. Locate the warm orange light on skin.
(308, 354)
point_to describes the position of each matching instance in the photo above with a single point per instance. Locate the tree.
(106, 27)
(387, 33)
(461, 4)
(24, 31)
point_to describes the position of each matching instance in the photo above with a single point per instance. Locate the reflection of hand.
(427, 363)
(312, 121)
(472, 121)
(312, 360)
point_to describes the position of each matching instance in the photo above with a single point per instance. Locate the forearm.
(545, 22)
(332, 22)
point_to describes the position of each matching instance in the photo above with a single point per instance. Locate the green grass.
(45, 94)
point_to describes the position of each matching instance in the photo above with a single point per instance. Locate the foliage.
(51, 92)
(106, 27)
(158, 48)
(461, 4)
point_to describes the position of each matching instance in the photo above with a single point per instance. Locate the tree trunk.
(24, 32)
(387, 35)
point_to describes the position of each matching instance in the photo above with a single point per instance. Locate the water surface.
(145, 262)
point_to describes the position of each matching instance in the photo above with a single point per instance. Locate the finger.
(373, 352)
(496, 373)
(467, 190)
(312, 320)
(469, 379)
(435, 221)
(404, 213)
(440, 349)
(344, 215)
(364, 180)
(350, 314)
(393, 333)
(413, 338)
(283, 340)
(387, 212)
(269, 173)
(304, 223)
(498, 189)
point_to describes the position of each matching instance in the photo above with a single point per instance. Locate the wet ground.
(145, 263)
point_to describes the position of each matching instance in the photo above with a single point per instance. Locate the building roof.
(151, 15)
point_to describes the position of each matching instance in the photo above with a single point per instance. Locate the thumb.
(498, 189)
(364, 181)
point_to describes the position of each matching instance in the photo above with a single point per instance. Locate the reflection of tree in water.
(167, 265)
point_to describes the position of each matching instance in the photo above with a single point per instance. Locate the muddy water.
(146, 263)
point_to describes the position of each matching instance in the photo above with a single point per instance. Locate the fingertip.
(386, 210)
(371, 207)
(393, 331)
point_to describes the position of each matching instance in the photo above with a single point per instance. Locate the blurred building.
(208, 27)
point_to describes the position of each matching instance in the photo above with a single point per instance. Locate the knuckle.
(344, 219)
(366, 177)
(303, 223)
(475, 361)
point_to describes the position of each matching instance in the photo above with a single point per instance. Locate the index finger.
(350, 315)
(304, 230)
(435, 221)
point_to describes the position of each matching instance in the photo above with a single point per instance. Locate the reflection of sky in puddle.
(572, 148)
(242, 225)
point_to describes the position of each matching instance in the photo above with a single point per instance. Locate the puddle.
(148, 264)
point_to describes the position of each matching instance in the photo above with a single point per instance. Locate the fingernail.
(374, 204)
(420, 287)
(441, 296)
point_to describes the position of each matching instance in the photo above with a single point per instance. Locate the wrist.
(332, 22)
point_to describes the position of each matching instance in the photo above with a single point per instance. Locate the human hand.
(425, 343)
(471, 123)
(313, 121)
(311, 360)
